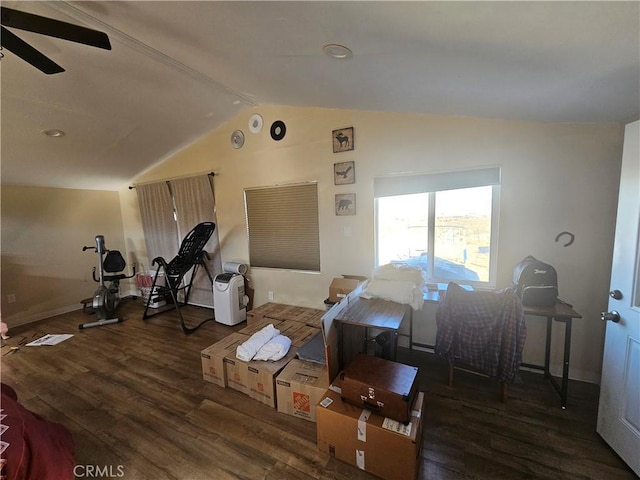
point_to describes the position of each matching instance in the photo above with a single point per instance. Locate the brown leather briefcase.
(383, 386)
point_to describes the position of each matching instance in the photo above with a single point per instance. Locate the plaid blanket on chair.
(483, 330)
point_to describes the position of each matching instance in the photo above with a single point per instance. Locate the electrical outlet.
(270, 295)
(11, 298)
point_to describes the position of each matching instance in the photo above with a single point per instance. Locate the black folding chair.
(190, 257)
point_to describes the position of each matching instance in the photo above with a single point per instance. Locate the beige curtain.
(194, 202)
(169, 211)
(158, 223)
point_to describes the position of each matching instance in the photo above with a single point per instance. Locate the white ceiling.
(180, 69)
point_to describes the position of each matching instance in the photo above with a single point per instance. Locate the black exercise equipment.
(190, 257)
(106, 298)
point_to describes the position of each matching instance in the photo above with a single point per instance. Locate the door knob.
(616, 294)
(612, 315)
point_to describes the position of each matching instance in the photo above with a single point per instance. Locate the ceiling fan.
(45, 26)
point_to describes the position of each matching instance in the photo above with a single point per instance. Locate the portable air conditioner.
(229, 300)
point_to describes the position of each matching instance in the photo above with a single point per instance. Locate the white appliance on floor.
(229, 300)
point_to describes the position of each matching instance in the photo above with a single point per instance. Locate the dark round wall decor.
(278, 130)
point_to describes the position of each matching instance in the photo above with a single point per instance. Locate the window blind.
(434, 182)
(282, 226)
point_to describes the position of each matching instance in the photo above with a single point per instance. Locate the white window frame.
(431, 184)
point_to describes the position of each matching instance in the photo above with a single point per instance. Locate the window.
(444, 223)
(282, 225)
(169, 210)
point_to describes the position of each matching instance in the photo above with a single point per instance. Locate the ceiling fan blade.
(54, 28)
(29, 54)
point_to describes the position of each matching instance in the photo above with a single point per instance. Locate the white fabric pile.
(274, 349)
(265, 344)
(398, 282)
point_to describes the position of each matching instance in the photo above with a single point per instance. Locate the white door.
(619, 408)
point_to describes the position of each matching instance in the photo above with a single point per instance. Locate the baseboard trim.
(574, 374)
(18, 320)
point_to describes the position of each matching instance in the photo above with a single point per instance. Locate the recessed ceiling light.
(53, 132)
(337, 51)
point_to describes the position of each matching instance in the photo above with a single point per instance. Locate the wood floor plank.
(261, 437)
(133, 396)
(173, 452)
(437, 471)
(337, 470)
(248, 406)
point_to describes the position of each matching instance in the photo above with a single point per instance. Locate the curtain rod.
(131, 187)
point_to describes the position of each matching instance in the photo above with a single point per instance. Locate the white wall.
(555, 177)
(43, 232)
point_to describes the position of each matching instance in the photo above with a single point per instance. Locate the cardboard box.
(299, 333)
(213, 365)
(257, 378)
(289, 327)
(264, 310)
(340, 288)
(299, 388)
(305, 315)
(301, 336)
(315, 320)
(282, 312)
(257, 325)
(260, 377)
(236, 372)
(375, 444)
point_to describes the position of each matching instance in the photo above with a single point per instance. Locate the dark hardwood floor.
(133, 396)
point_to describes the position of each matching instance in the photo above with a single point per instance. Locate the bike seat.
(114, 262)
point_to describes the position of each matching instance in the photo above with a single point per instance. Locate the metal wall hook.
(573, 237)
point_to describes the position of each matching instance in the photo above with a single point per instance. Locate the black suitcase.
(385, 387)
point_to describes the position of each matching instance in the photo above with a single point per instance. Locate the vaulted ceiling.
(178, 70)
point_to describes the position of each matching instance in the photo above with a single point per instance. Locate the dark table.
(368, 313)
(564, 313)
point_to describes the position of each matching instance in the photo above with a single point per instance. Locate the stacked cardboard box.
(289, 327)
(259, 324)
(214, 366)
(298, 332)
(302, 335)
(264, 310)
(257, 378)
(341, 287)
(236, 373)
(371, 442)
(282, 312)
(308, 316)
(300, 386)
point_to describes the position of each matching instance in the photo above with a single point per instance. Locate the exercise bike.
(106, 298)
